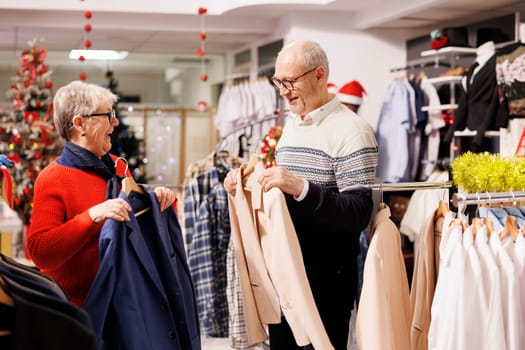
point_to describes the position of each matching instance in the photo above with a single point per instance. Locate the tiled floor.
(215, 344)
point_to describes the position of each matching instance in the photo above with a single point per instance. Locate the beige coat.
(270, 264)
(426, 269)
(383, 316)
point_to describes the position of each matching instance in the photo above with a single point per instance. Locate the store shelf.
(445, 79)
(450, 51)
(439, 107)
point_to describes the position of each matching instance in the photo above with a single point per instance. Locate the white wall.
(366, 56)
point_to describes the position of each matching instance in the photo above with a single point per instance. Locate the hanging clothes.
(36, 314)
(272, 275)
(143, 285)
(384, 305)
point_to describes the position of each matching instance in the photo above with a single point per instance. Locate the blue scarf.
(74, 156)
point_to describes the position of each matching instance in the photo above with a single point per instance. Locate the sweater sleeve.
(60, 226)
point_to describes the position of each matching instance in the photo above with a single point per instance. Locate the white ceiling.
(157, 31)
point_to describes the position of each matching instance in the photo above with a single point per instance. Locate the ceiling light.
(98, 54)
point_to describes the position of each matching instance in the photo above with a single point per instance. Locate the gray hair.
(78, 98)
(312, 54)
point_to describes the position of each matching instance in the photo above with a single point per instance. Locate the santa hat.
(351, 93)
(332, 88)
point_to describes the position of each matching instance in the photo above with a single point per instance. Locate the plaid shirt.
(207, 248)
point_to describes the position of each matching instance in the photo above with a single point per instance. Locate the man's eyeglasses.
(288, 83)
(110, 115)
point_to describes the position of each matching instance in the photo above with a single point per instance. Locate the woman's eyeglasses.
(110, 115)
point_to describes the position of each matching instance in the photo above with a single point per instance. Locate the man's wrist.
(304, 192)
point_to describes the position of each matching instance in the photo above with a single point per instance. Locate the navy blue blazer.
(143, 297)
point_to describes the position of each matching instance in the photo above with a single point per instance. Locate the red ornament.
(13, 87)
(26, 191)
(83, 76)
(202, 10)
(204, 77)
(38, 155)
(202, 36)
(87, 14)
(81, 58)
(87, 43)
(17, 201)
(87, 27)
(43, 69)
(200, 52)
(27, 83)
(17, 138)
(48, 85)
(202, 106)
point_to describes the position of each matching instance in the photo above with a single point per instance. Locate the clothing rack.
(487, 197)
(406, 186)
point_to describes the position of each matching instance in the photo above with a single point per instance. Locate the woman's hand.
(116, 209)
(230, 181)
(165, 196)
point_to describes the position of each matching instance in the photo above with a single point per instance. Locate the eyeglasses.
(110, 115)
(288, 83)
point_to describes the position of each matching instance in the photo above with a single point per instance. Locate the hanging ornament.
(88, 14)
(48, 84)
(201, 52)
(83, 76)
(202, 106)
(81, 58)
(17, 138)
(87, 27)
(87, 43)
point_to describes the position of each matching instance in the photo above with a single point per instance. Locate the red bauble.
(200, 52)
(27, 83)
(17, 201)
(87, 43)
(83, 76)
(204, 77)
(87, 27)
(17, 138)
(202, 10)
(38, 156)
(43, 69)
(81, 58)
(202, 36)
(88, 14)
(48, 85)
(14, 87)
(26, 191)
(202, 106)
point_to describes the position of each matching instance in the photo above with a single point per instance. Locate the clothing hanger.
(4, 297)
(489, 224)
(129, 185)
(511, 227)
(442, 209)
(249, 168)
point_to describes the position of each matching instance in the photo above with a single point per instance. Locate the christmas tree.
(123, 140)
(27, 134)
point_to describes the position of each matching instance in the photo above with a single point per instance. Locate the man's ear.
(78, 123)
(320, 72)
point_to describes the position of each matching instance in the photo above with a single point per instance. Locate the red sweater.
(62, 239)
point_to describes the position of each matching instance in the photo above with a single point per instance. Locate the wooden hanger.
(129, 185)
(489, 224)
(442, 209)
(250, 167)
(476, 224)
(511, 227)
(4, 297)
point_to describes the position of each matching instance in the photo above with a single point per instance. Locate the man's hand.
(281, 178)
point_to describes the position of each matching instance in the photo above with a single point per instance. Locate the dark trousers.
(335, 320)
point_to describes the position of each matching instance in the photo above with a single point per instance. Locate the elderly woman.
(70, 205)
